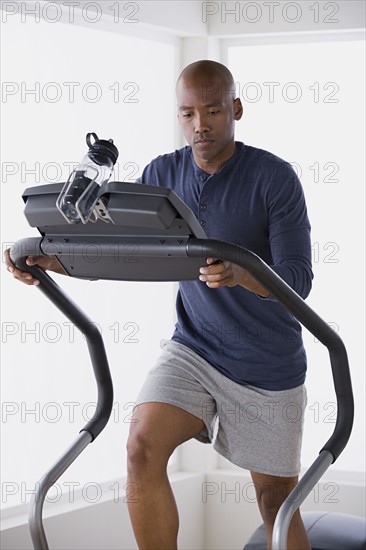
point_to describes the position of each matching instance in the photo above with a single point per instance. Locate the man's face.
(207, 112)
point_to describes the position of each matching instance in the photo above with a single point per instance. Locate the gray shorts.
(259, 430)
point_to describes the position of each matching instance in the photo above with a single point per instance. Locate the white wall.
(45, 364)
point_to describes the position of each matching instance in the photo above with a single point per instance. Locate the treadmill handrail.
(32, 246)
(209, 248)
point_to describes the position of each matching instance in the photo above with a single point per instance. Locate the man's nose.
(201, 125)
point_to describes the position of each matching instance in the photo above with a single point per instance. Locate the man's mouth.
(203, 142)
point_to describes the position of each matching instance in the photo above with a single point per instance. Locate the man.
(236, 355)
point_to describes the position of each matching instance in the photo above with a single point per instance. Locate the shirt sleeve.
(148, 175)
(289, 231)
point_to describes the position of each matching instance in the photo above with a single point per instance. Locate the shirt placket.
(203, 199)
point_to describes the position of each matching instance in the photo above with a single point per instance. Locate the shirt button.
(203, 223)
(203, 178)
(203, 207)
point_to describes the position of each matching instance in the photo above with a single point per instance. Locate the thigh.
(261, 430)
(163, 426)
(178, 379)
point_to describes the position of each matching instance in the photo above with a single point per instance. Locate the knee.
(143, 454)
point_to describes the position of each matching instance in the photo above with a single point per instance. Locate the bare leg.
(271, 492)
(158, 428)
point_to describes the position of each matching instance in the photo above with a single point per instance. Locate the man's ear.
(238, 109)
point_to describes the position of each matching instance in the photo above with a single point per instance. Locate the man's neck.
(215, 165)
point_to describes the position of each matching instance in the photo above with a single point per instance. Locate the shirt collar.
(203, 176)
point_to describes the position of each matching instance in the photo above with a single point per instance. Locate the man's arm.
(289, 231)
(288, 237)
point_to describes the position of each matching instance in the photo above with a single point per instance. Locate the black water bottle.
(77, 199)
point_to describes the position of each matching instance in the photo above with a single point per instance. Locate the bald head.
(211, 77)
(210, 70)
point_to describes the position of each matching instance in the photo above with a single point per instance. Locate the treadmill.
(146, 233)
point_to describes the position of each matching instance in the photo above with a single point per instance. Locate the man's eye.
(186, 115)
(213, 112)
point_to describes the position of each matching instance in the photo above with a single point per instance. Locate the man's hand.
(45, 262)
(220, 273)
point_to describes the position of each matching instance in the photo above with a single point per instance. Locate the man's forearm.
(251, 284)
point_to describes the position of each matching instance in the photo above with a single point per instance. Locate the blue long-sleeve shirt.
(256, 201)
